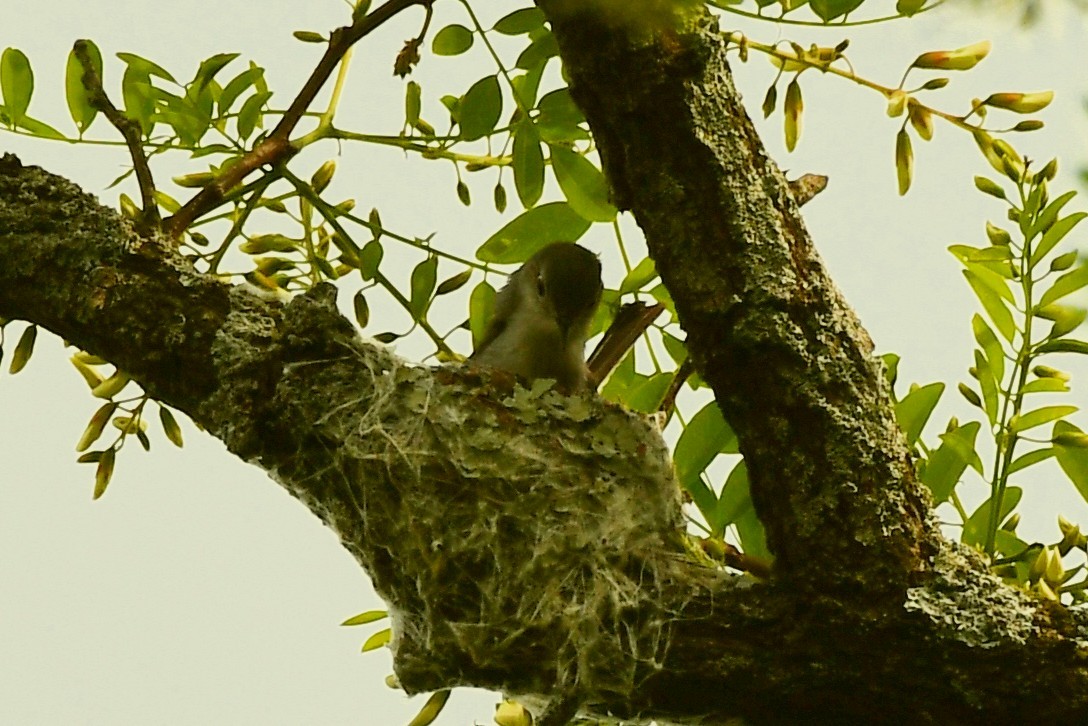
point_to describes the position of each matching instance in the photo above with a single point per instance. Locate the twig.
(678, 379)
(277, 146)
(631, 322)
(130, 130)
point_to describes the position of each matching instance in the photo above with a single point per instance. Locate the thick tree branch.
(788, 361)
(524, 541)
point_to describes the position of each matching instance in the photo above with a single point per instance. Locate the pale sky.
(196, 591)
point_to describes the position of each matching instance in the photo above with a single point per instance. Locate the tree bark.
(531, 542)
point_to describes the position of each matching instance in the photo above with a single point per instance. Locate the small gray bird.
(542, 317)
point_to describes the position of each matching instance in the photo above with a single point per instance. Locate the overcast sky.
(197, 591)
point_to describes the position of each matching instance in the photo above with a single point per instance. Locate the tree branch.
(789, 363)
(277, 146)
(524, 541)
(131, 132)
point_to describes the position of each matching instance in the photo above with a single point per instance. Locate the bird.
(542, 318)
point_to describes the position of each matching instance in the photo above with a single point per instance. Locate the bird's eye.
(540, 289)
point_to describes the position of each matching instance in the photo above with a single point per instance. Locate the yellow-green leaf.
(23, 349)
(531, 231)
(431, 708)
(1020, 102)
(95, 426)
(380, 638)
(528, 163)
(79, 102)
(423, 280)
(793, 110)
(583, 184)
(368, 616)
(452, 40)
(961, 59)
(1039, 416)
(481, 108)
(481, 304)
(104, 472)
(904, 161)
(170, 426)
(16, 82)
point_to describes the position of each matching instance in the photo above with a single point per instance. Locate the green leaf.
(991, 279)
(623, 376)
(104, 472)
(1045, 385)
(145, 66)
(170, 426)
(139, 97)
(558, 109)
(79, 102)
(209, 67)
(452, 40)
(753, 538)
(526, 86)
(1068, 283)
(16, 82)
(706, 435)
(424, 277)
(992, 302)
(985, 254)
(377, 640)
(1072, 459)
(532, 230)
(640, 275)
(413, 102)
(583, 184)
(989, 186)
(361, 308)
(792, 112)
(539, 51)
(40, 129)
(989, 386)
(431, 709)
(1040, 416)
(237, 86)
(1064, 346)
(1030, 459)
(974, 529)
(1054, 235)
(368, 616)
(915, 409)
(481, 304)
(904, 161)
(1050, 214)
(990, 345)
(370, 257)
(481, 108)
(831, 9)
(23, 349)
(735, 500)
(309, 36)
(528, 164)
(909, 7)
(520, 22)
(252, 111)
(453, 283)
(946, 465)
(647, 396)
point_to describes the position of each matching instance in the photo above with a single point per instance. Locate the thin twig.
(631, 322)
(276, 147)
(130, 130)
